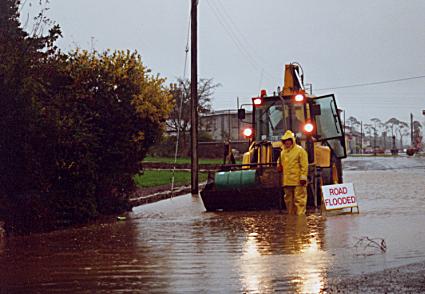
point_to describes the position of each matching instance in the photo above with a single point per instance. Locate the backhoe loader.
(255, 184)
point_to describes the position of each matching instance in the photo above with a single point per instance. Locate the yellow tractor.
(256, 183)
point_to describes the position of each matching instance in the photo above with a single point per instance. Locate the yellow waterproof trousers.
(295, 199)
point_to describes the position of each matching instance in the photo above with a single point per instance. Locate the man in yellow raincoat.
(293, 161)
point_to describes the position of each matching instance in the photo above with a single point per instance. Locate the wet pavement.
(174, 246)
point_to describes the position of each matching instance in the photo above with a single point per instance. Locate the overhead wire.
(240, 33)
(176, 151)
(231, 29)
(233, 36)
(243, 45)
(375, 100)
(373, 83)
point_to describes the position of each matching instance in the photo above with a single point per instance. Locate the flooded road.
(174, 246)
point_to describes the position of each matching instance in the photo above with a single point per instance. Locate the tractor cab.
(314, 120)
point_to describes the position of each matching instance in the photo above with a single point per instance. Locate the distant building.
(353, 140)
(224, 125)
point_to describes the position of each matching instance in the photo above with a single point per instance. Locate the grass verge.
(182, 160)
(152, 178)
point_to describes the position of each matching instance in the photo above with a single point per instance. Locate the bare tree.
(398, 127)
(353, 123)
(379, 129)
(403, 130)
(392, 125)
(369, 130)
(179, 119)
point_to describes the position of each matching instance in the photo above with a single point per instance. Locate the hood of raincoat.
(288, 135)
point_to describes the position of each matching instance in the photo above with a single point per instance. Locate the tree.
(353, 123)
(24, 146)
(399, 127)
(180, 117)
(391, 125)
(377, 124)
(74, 127)
(108, 111)
(22, 59)
(369, 130)
(403, 130)
(379, 128)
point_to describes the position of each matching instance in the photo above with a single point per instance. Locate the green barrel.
(235, 179)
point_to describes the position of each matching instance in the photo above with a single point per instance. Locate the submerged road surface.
(174, 246)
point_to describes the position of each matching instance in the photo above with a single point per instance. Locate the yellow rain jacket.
(294, 162)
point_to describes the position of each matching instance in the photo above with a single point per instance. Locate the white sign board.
(339, 196)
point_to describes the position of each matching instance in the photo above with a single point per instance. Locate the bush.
(74, 132)
(114, 111)
(74, 128)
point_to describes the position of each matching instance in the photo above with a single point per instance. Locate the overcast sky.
(244, 45)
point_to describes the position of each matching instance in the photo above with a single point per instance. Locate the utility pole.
(411, 130)
(239, 121)
(361, 137)
(194, 97)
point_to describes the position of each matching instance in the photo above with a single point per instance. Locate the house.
(224, 125)
(354, 140)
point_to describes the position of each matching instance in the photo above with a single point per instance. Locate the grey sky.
(244, 44)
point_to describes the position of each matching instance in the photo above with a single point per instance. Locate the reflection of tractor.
(256, 184)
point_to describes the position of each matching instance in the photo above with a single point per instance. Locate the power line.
(232, 35)
(231, 29)
(246, 41)
(176, 150)
(373, 83)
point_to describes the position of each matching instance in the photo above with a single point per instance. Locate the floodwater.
(174, 246)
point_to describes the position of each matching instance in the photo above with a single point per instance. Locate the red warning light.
(308, 127)
(299, 98)
(247, 132)
(257, 101)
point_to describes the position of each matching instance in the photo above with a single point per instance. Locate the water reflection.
(312, 276)
(175, 246)
(2, 244)
(251, 265)
(278, 233)
(103, 256)
(287, 258)
(2, 237)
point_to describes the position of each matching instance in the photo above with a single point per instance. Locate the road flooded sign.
(339, 196)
